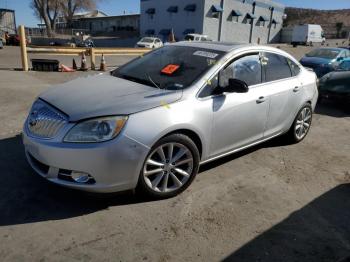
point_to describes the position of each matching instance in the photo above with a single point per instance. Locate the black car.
(336, 85)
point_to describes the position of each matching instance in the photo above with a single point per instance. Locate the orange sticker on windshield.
(170, 69)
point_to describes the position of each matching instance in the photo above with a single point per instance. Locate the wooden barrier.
(24, 55)
(92, 52)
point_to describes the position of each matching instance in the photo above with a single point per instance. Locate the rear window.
(293, 67)
(189, 37)
(276, 67)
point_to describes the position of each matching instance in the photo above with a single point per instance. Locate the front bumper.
(336, 97)
(114, 165)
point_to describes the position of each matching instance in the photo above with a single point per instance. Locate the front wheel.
(301, 125)
(170, 167)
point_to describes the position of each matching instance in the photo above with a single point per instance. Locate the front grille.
(45, 121)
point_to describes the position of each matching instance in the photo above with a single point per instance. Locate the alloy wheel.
(303, 123)
(168, 167)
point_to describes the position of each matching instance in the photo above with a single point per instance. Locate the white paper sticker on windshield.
(205, 54)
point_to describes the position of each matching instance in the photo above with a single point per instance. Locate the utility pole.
(221, 19)
(271, 15)
(252, 24)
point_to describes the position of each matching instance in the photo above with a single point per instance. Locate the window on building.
(248, 19)
(151, 12)
(261, 21)
(216, 10)
(276, 67)
(190, 8)
(274, 23)
(173, 9)
(235, 15)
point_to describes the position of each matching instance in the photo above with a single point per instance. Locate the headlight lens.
(96, 130)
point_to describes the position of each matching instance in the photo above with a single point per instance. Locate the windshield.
(189, 37)
(170, 67)
(345, 66)
(147, 40)
(324, 53)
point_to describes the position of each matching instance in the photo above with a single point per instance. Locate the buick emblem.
(33, 118)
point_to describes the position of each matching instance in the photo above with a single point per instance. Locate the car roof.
(228, 47)
(218, 46)
(332, 48)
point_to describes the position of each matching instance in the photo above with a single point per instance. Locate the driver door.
(239, 119)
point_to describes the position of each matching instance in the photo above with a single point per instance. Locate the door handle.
(296, 89)
(261, 100)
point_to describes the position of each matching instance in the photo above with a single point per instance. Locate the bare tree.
(48, 11)
(70, 7)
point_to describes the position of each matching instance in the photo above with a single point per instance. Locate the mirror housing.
(340, 59)
(236, 86)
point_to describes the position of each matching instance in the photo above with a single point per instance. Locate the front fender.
(149, 126)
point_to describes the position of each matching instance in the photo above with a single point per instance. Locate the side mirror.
(340, 59)
(236, 86)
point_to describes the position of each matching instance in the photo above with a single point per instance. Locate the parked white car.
(307, 35)
(197, 37)
(150, 42)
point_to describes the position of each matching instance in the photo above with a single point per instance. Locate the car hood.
(104, 95)
(314, 60)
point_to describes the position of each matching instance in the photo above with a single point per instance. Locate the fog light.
(80, 177)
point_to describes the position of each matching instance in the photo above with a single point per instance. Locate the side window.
(276, 67)
(293, 67)
(247, 69)
(210, 86)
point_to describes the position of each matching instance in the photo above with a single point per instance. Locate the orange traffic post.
(24, 54)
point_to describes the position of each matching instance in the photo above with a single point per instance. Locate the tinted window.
(293, 67)
(326, 53)
(247, 69)
(276, 67)
(345, 66)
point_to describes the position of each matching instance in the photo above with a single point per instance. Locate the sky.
(24, 15)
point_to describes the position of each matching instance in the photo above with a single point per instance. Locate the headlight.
(96, 130)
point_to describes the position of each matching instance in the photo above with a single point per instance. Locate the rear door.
(285, 92)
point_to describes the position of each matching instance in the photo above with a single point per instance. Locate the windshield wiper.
(138, 80)
(151, 80)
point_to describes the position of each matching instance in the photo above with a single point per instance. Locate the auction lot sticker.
(205, 54)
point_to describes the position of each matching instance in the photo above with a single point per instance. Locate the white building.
(241, 21)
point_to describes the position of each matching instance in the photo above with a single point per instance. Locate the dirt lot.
(274, 202)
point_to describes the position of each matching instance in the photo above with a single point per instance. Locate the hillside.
(328, 19)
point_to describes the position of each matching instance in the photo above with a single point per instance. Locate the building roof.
(6, 10)
(111, 17)
(93, 13)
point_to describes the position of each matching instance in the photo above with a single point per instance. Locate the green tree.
(339, 27)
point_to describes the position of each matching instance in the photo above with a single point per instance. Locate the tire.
(295, 134)
(160, 178)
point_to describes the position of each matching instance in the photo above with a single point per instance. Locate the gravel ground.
(274, 202)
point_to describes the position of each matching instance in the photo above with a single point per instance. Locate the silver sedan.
(150, 123)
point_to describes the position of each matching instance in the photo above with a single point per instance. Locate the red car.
(14, 39)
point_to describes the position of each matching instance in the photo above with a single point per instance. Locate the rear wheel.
(301, 124)
(170, 167)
